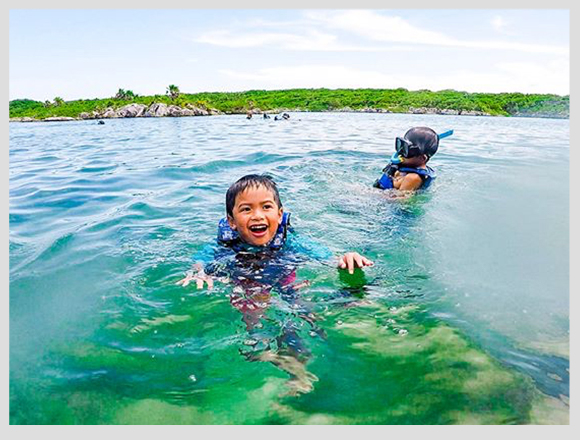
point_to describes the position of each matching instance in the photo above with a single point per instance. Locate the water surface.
(463, 319)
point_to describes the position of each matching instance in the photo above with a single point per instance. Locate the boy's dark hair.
(425, 138)
(250, 181)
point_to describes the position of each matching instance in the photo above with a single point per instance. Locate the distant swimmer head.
(416, 142)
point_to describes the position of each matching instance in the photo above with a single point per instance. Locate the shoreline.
(444, 102)
(121, 113)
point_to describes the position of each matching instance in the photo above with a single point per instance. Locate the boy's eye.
(267, 206)
(245, 208)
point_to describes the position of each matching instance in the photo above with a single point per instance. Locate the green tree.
(120, 94)
(58, 101)
(125, 95)
(173, 91)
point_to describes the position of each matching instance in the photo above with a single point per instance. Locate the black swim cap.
(425, 138)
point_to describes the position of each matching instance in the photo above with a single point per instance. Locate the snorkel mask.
(405, 149)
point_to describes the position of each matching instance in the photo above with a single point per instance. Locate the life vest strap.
(386, 180)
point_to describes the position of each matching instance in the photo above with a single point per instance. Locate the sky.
(85, 54)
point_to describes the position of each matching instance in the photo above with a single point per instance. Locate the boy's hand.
(351, 260)
(200, 277)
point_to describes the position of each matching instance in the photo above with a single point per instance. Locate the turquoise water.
(463, 319)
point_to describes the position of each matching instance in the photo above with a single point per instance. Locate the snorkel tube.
(445, 134)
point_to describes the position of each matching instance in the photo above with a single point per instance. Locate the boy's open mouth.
(258, 229)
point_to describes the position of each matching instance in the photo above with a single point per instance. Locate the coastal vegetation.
(315, 100)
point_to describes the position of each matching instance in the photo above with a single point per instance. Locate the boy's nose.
(258, 214)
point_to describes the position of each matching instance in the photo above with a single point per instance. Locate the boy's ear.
(281, 214)
(231, 222)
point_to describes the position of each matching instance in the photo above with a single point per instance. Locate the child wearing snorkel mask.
(408, 169)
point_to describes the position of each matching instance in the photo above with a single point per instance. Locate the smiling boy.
(256, 223)
(256, 214)
(259, 252)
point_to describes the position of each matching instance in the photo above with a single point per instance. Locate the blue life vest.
(228, 237)
(427, 175)
(386, 180)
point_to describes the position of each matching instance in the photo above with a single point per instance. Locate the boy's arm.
(411, 182)
(407, 182)
(305, 246)
(205, 255)
(317, 251)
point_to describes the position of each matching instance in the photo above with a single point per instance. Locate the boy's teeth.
(258, 228)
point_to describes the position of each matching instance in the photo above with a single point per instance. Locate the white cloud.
(311, 40)
(256, 39)
(498, 23)
(507, 77)
(552, 77)
(378, 27)
(365, 30)
(501, 26)
(330, 76)
(520, 47)
(374, 27)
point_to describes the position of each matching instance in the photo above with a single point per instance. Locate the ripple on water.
(97, 169)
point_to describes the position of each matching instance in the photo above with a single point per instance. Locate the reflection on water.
(435, 332)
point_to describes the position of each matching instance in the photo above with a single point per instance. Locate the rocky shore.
(159, 110)
(156, 110)
(418, 111)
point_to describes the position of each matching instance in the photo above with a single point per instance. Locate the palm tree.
(173, 91)
(125, 95)
(58, 101)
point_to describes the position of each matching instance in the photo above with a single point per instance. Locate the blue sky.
(77, 54)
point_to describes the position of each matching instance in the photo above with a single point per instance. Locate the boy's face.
(416, 161)
(256, 216)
